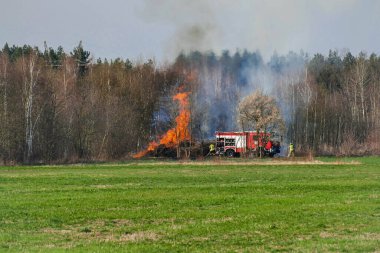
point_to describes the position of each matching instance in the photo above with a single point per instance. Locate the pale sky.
(159, 29)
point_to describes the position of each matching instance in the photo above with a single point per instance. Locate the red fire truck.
(234, 144)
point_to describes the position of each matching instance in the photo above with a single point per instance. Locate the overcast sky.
(141, 29)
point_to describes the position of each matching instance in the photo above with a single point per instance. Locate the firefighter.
(212, 149)
(269, 146)
(291, 150)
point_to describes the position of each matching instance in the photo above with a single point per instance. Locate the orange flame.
(152, 146)
(179, 133)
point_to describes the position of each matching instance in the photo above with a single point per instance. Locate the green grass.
(149, 207)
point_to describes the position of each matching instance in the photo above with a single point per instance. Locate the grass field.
(170, 207)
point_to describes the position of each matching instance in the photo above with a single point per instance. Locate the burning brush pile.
(175, 139)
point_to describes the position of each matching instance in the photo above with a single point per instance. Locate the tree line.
(63, 107)
(67, 107)
(334, 104)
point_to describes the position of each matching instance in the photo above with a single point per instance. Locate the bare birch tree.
(4, 147)
(30, 78)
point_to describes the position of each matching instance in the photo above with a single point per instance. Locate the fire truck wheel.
(230, 153)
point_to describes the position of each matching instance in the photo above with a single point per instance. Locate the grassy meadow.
(192, 207)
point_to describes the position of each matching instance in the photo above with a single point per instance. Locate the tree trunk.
(28, 118)
(5, 123)
(30, 80)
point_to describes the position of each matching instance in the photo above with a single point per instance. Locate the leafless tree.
(260, 112)
(4, 133)
(31, 73)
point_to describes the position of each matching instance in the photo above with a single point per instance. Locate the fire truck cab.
(234, 144)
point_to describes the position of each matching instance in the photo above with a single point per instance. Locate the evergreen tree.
(82, 58)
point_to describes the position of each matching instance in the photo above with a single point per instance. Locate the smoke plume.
(268, 26)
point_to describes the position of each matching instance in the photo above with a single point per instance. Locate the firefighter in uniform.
(212, 149)
(291, 150)
(269, 146)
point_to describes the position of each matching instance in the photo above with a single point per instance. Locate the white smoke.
(268, 26)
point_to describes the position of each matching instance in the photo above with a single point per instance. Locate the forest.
(63, 107)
